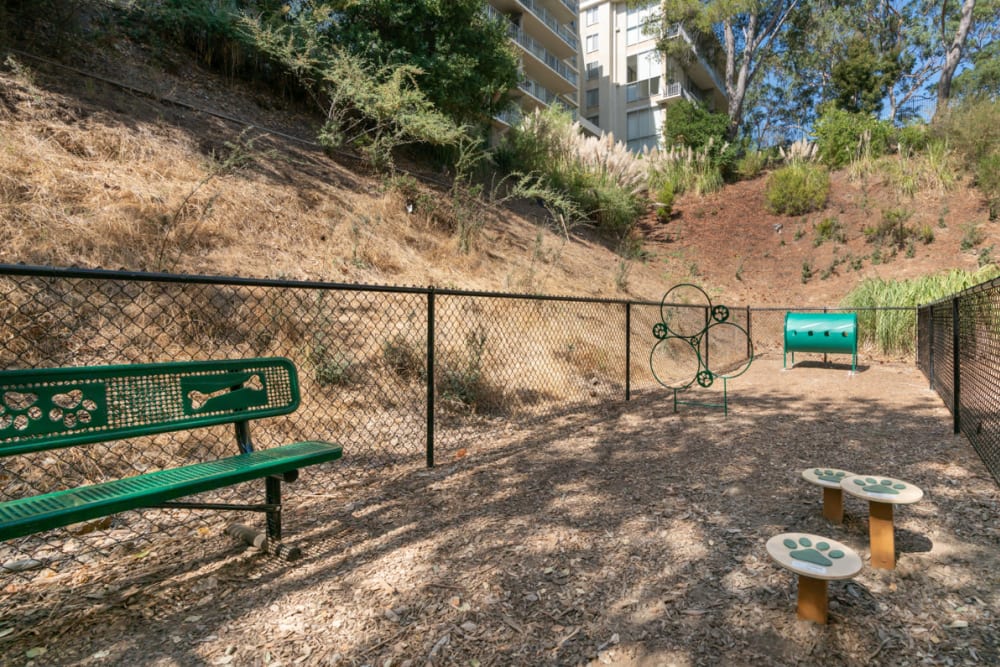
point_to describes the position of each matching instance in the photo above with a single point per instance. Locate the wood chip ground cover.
(625, 535)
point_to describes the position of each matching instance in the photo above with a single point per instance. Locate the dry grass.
(83, 185)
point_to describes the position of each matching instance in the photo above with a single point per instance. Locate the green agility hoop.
(688, 320)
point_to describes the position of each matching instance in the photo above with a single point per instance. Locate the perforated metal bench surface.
(26, 516)
(46, 409)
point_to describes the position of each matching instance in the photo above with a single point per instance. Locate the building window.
(592, 98)
(591, 16)
(594, 70)
(593, 120)
(642, 66)
(636, 21)
(642, 74)
(643, 129)
(591, 43)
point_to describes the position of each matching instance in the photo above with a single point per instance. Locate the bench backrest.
(50, 408)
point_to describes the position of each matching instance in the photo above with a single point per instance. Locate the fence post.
(749, 336)
(930, 345)
(956, 390)
(628, 350)
(707, 317)
(430, 378)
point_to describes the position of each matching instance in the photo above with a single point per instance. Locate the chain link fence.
(958, 349)
(397, 376)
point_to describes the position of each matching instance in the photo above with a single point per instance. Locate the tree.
(746, 30)
(862, 79)
(373, 107)
(953, 54)
(465, 59)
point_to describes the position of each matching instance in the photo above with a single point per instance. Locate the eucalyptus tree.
(742, 32)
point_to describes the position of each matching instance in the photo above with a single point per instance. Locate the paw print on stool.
(882, 493)
(816, 560)
(833, 496)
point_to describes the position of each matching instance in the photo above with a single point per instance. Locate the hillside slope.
(96, 174)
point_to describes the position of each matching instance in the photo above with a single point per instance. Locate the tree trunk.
(954, 55)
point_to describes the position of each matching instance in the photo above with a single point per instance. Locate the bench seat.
(26, 516)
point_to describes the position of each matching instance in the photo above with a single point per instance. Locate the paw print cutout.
(831, 476)
(818, 554)
(65, 408)
(19, 410)
(883, 486)
(24, 412)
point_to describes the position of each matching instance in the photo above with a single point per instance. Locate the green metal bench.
(53, 408)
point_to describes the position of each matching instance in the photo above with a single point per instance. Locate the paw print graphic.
(819, 553)
(22, 411)
(883, 486)
(830, 476)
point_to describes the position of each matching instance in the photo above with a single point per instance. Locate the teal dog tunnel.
(829, 333)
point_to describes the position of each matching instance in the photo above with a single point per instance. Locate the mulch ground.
(625, 535)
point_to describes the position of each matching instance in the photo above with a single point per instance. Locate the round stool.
(833, 495)
(816, 560)
(881, 493)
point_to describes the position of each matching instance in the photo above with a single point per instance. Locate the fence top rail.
(180, 278)
(197, 279)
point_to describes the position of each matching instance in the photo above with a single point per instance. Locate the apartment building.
(627, 83)
(546, 34)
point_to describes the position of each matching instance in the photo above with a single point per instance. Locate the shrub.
(829, 229)
(891, 229)
(988, 180)
(972, 236)
(404, 357)
(600, 176)
(752, 164)
(798, 188)
(925, 234)
(912, 138)
(842, 136)
(665, 201)
(973, 131)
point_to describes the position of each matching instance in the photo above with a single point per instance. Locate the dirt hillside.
(129, 159)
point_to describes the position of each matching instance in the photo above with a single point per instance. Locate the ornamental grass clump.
(797, 188)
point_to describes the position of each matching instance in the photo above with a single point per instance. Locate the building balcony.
(536, 19)
(703, 73)
(545, 59)
(674, 91)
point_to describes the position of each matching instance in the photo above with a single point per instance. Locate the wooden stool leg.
(880, 529)
(833, 505)
(812, 599)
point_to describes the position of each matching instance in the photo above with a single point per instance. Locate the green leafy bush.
(665, 201)
(912, 138)
(842, 136)
(798, 188)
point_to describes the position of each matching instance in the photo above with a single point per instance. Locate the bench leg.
(881, 537)
(833, 505)
(273, 495)
(812, 599)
